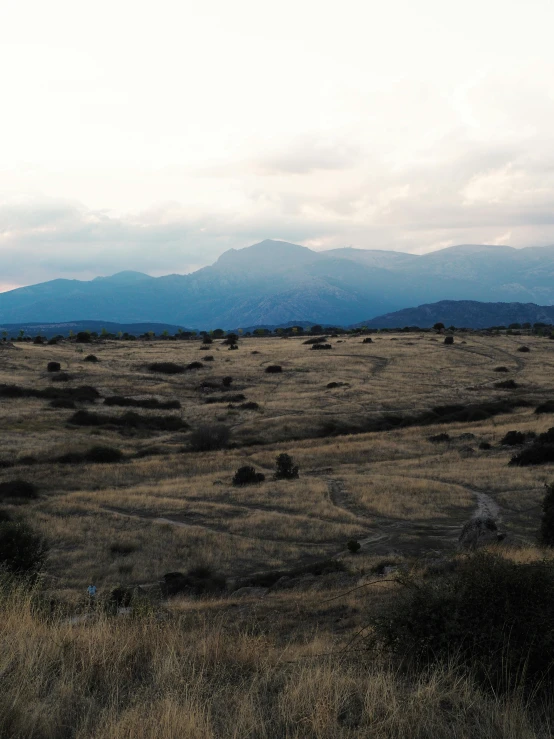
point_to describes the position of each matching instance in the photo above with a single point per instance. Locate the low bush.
(22, 551)
(128, 420)
(247, 475)
(506, 385)
(209, 437)
(94, 455)
(439, 438)
(198, 581)
(166, 368)
(448, 339)
(514, 438)
(273, 368)
(316, 340)
(122, 549)
(485, 446)
(149, 403)
(250, 406)
(546, 535)
(489, 614)
(538, 453)
(53, 367)
(501, 369)
(62, 403)
(208, 358)
(285, 469)
(18, 489)
(194, 366)
(523, 349)
(231, 398)
(61, 377)
(367, 340)
(83, 337)
(91, 358)
(322, 346)
(353, 546)
(546, 407)
(227, 381)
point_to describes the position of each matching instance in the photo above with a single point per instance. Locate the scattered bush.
(91, 358)
(209, 437)
(546, 407)
(322, 346)
(448, 339)
(523, 349)
(538, 453)
(149, 403)
(128, 420)
(166, 368)
(95, 455)
(18, 489)
(506, 385)
(439, 438)
(22, 551)
(53, 367)
(231, 398)
(285, 468)
(273, 368)
(353, 546)
(490, 614)
(501, 369)
(227, 381)
(514, 438)
(247, 475)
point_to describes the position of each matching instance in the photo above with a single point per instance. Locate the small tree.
(439, 326)
(247, 475)
(285, 468)
(547, 521)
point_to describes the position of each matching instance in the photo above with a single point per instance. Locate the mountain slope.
(275, 281)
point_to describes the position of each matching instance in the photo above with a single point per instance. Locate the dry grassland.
(246, 667)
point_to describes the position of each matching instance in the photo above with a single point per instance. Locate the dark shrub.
(247, 475)
(83, 337)
(194, 366)
(439, 438)
(62, 403)
(61, 377)
(131, 420)
(273, 368)
(546, 407)
(538, 453)
(18, 489)
(514, 438)
(285, 468)
(207, 340)
(227, 381)
(353, 546)
(122, 549)
(208, 358)
(448, 339)
(53, 367)
(523, 349)
(322, 346)
(367, 340)
(316, 340)
(231, 398)
(506, 385)
(91, 358)
(198, 581)
(5, 516)
(209, 437)
(166, 368)
(485, 446)
(250, 406)
(490, 614)
(95, 455)
(501, 369)
(21, 550)
(149, 403)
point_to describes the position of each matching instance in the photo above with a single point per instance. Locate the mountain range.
(275, 282)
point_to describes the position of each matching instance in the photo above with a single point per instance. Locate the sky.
(155, 136)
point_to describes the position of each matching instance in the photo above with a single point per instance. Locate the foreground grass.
(196, 674)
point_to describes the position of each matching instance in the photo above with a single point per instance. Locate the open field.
(167, 508)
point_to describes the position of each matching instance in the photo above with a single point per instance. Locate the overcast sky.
(156, 135)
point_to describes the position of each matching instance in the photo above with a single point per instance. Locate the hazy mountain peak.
(268, 254)
(127, 276)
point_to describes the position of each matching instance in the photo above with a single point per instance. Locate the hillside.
(274, 282)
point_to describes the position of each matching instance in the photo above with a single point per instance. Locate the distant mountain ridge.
(275, 282)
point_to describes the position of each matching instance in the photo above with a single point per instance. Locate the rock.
(250, 591)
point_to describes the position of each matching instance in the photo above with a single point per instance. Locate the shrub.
(22, 551)
(128, 420)
(5, 516)
(166, 368)
(538, 453)
(367, 340)
(198, 581)
(209, 437)
(501, 369)
(273, 368)
(91, 358)
(83, 337)
(208, 358)
(523, 349)
(250, 406)
(62, 403)
(490, 614)
(353, 546)
(150, 403)
(194, 366)
(247, 475)
(61, 377)
(53, 367)
(285, 468)
(514, 438)
(448, 339)
(322, 346)
(122, 549)
(546, 407)
(232, 398)
(227, 381)
(316, 340)
(506, 385)
(546, 536)
(95, 455)
(439, 438)
(18, 489)
(485, 445)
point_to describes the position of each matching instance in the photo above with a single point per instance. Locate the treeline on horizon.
(538, 329)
